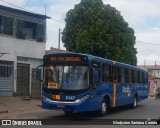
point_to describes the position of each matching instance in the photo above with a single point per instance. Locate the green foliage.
(98, 29)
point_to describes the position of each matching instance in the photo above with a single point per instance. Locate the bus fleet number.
(70, 97)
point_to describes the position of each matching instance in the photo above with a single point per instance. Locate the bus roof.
(103, 60)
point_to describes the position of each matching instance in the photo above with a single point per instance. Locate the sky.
(142, 15)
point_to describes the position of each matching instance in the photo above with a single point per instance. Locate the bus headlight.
(82, 99)
(46, 99)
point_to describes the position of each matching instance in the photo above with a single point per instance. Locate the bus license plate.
(60, 106)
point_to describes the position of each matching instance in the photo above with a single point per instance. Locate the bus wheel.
(134, 105)
(68, 112)
(104, 108)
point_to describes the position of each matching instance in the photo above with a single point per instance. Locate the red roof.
(153, 67)
(54, 50)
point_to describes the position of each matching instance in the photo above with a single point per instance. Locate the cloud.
(148, 52)
(57, 10)
(149, 60)
(137, 12)
(142, 15)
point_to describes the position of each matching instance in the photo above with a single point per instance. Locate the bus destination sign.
(68, 59)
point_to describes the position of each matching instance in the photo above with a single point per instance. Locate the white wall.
(32, 50)
(155, 73)
(20, 47)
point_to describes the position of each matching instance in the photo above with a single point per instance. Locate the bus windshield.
(66, 77)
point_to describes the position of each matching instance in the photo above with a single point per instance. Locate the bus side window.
(116, 74)
(138, 77)
(146, 79)
(122, 75)
(143, 78)
(95, 74)
(126, 76)
(133, 76)
(105, 73)
(130, 75)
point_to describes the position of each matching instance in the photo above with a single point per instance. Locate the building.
(153, 77)
(22, 46)
(54, 50)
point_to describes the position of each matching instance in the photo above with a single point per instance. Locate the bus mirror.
(38, 74)
(95, 75)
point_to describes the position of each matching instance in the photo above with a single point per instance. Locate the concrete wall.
(19, 47)
(155, 73)
(154, 84)
(151, 84)
(31, 50)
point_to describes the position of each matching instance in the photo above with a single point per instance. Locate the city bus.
(74, 82)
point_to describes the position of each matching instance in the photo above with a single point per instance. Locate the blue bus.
(74, 82)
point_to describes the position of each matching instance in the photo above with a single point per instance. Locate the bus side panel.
(132, 91)
(120, 95)
(106, 90)
(142, 90)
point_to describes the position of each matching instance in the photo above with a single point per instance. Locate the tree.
(98, 29)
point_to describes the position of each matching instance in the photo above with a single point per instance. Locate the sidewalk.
(11, 106)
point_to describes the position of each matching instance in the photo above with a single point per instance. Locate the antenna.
(144, 63)
(45, 9)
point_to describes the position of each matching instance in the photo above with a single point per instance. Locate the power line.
(29, 10)
(149, 51)
(58, 21)
(147, 43)
(16, 6)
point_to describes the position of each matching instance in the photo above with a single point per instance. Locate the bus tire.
(104, 108)
(68, 112)
(134, 104)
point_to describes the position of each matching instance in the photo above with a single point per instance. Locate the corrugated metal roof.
(24, 12)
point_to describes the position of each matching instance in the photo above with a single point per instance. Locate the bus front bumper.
(79, 105)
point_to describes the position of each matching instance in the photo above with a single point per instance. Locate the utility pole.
(45, 9)
(144, 64)
(155, 68)
(59, 36)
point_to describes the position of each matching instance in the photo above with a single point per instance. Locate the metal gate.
(36, 85)
(23, 79)
(6, 78)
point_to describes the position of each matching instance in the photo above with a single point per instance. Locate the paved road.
(31, 109)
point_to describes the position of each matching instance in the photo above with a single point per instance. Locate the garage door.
(23, 79)
(6, 78)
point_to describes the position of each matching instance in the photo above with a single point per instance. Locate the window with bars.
(6, 68)
(6, 25)
(30, 30)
